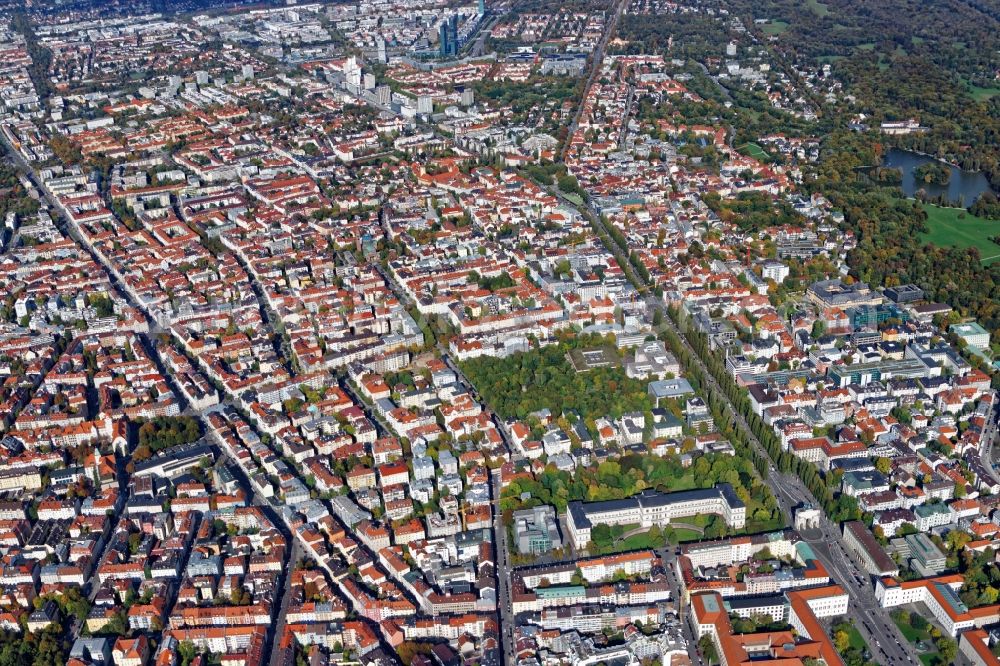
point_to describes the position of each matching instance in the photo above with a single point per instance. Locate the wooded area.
(526, 382)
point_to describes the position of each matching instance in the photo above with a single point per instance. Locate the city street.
(669, 557)
(596, 60)
(503, 575)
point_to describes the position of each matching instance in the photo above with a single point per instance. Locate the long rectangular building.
(867, 551)
(650, 508)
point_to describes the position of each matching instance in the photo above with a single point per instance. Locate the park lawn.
(818, 8)
(930, 659)
(775, 27)
(639, 542)
(755, 151)
(685, 535)
(644, 542)
(615, 543)
(857, 642)
(945, 229)
(910, 633)
(981, 94)
(700, 520)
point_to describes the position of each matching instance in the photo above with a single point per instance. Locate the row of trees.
(722, 414)
(838, 507)
(41, 57)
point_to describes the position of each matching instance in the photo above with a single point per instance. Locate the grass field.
(857, 642)
(929, 658)
(775, 27)
(644, 542)
(818, 8)
(947, 230)
(684, 535)
(910, 633)
(754, 151)
(982, 94)
(635, 542)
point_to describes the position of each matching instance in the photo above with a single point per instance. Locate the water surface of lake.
(963, 188)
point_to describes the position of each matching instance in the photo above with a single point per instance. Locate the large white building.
(775, 270)
(654, 508)
(973, 334)
(940, 595)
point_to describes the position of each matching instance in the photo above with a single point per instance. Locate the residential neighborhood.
(428, 333)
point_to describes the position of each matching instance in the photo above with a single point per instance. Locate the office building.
(425, 104)
(972, 333)
(443, 48)
(904, 293)
(536, 530)
(925, 556)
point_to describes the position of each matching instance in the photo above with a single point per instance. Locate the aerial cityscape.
(499, 332)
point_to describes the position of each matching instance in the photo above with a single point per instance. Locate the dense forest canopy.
(526, 382)
(956, 36)
(936, 62)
